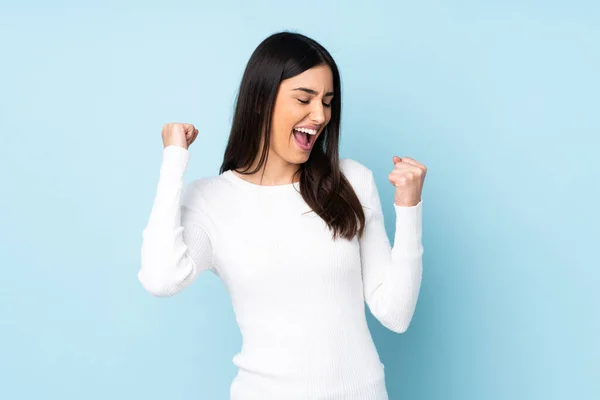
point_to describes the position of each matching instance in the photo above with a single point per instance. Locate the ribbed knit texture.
(298, 295)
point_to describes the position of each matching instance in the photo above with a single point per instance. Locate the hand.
(182, 135)
(408, 177)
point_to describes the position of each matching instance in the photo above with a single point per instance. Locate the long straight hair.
(322, 185)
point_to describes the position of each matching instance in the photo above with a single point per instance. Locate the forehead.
(319, 78)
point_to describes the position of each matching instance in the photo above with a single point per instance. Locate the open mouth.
(304, 140)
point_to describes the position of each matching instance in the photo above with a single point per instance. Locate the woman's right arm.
(175, 246)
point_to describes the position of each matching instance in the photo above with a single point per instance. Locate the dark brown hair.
(322, 185)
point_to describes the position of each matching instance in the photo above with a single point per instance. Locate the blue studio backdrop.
(498, 99)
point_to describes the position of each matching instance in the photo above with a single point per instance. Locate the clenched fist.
(182, 135)
(407, 176)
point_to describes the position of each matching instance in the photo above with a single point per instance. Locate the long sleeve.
(391, 276)
(175, 246)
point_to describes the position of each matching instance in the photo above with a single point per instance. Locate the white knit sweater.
(298, 295)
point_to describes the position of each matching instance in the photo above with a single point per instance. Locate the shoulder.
(360, 178)
(205, 184)
(359, 175)
(204, 191)
(350, 166)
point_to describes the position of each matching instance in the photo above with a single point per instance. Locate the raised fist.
(182, 135)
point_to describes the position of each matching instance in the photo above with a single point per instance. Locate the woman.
(295, 233)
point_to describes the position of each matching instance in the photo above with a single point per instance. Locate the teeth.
(306, 130)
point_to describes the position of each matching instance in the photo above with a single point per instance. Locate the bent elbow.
(399, 326)
(162, 281)
(153, 286)
(397, 321)
(162, 274)
(156, 286)
(396, 325)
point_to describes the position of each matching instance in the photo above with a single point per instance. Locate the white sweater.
(298, 296)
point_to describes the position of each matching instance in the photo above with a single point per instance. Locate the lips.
(303, 140)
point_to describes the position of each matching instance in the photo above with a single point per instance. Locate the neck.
(275, 171)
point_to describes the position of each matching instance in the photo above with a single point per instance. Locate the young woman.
(295, 233)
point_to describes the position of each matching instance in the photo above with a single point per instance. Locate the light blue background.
(499, 100)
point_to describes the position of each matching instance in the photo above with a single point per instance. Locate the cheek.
(283, 123)
(281, 133)
(277, 124)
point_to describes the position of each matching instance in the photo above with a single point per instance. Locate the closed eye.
(306, 102)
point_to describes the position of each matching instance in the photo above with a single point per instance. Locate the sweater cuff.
(409, 229)
(175, 160)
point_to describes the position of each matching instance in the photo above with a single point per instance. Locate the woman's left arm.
(392, 275)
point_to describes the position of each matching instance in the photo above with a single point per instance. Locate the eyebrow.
(313, 92)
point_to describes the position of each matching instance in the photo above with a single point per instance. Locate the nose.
(318, 114)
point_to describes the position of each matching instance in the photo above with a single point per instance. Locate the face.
(303, 101)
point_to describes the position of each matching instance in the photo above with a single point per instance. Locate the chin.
(296, 158)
